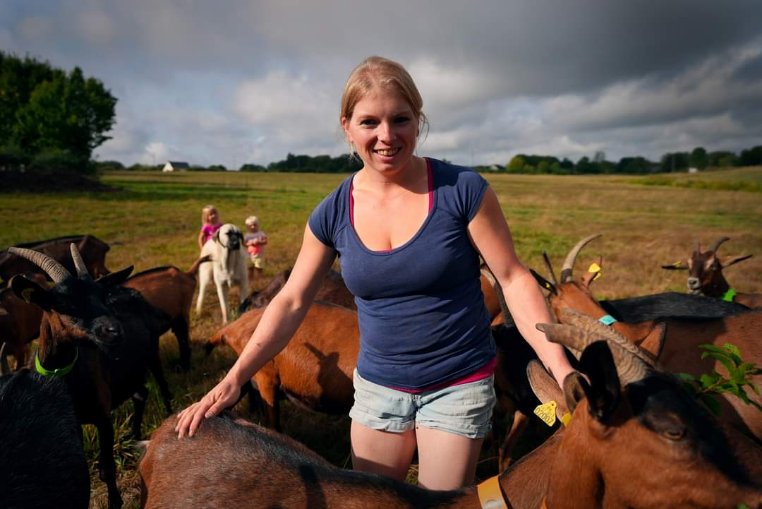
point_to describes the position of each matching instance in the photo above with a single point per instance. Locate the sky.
(250, 81)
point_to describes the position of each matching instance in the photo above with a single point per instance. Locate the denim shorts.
(464, 409)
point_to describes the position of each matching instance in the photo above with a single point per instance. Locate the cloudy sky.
(249, 81)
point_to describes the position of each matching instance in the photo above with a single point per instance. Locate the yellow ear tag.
(546, 412)
(595, 268)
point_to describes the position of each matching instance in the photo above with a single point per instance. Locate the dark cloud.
(239, 80)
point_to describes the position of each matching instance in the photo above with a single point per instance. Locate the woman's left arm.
(491, 236)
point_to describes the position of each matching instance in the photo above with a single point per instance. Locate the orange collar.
(490, 494)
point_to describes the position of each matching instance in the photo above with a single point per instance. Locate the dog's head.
(229, 236)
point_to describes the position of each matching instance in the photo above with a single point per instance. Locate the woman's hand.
(222, 396)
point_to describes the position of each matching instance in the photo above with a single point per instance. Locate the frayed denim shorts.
(464, 409)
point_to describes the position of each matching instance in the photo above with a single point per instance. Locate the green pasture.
(152, 219)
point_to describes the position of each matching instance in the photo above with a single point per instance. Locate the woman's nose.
(385, 132)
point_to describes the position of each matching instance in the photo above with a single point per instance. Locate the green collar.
(729, 296)
(58, 371)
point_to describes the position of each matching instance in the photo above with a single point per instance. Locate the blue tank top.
(420, 307)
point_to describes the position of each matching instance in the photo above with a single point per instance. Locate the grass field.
(153, 219)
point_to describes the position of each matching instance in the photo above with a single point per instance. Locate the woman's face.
(383, 129)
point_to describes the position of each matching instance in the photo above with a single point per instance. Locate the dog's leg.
(222, 294)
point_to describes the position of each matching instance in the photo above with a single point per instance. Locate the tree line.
(52, 120)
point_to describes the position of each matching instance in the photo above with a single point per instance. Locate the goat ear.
(544, 282)
(31, 292)
(653, 343)
(732, 260)
(603, 391)
(678, 265)
(575, 389)
(116, 278)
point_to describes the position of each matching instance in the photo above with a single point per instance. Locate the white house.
(175, 166)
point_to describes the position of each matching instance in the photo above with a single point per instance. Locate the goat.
(92, 249)
(228, 267)
(332, 290)
(171, 290)
(95, 335)
(314, 369)
(19, 322)
(41, 455)
(705, 275)
(635, 439)
(678, 351)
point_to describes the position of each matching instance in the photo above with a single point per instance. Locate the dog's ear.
(216, 235)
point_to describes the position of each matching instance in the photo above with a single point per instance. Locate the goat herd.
(632, 435)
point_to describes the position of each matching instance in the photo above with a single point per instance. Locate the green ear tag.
(26, 294)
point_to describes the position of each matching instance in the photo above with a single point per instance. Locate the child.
(255, 240)
(210, 223)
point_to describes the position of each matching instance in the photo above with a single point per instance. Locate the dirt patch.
(29, 182)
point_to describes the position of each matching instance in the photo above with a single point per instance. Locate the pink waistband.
(480, 374)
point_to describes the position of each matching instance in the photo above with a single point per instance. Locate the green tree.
(699, 158)
(68, 113)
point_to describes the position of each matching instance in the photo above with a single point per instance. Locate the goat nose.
(693, 283)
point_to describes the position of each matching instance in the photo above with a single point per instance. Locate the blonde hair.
(383, 73)
(206, 211)
(252, 220)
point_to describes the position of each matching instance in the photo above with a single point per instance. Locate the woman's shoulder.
(448, 173)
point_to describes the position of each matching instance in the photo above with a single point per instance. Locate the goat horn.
(79, 263)
(629, 367)
(546, 258)
(52, 268)
(4, 368)
(717, 243)
(566, 270)
(594, 328)
(498, 293)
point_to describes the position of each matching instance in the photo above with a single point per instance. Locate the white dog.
(228, 267)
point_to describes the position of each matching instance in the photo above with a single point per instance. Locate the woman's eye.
(401, 120)
(368, 122)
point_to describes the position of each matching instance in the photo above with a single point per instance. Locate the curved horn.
(566, 270)
(79, 263)
(717, 243)
(52, 268)
(629, 367)
(596, 330)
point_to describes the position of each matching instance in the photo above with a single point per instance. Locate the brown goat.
(19, 322)
(170, 290)
(92, 249)
(314, 369)
(331, 290)
(705, 275)
(334, 290)
(635, 439)
(678, 352)
(96, 336)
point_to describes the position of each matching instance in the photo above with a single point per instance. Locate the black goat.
(41, 457)
(97, 336)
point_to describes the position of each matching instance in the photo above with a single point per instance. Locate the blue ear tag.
(607, 320)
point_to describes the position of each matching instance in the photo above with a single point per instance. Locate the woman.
(409, 232)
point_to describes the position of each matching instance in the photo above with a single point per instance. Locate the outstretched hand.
(222, 396)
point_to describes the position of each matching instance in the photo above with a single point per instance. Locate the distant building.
(175, 166)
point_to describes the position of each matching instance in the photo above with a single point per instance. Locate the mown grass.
(153, 219)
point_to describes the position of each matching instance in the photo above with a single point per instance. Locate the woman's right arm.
(279, 322)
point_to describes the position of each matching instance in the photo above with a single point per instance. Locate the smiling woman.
(410, 233)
